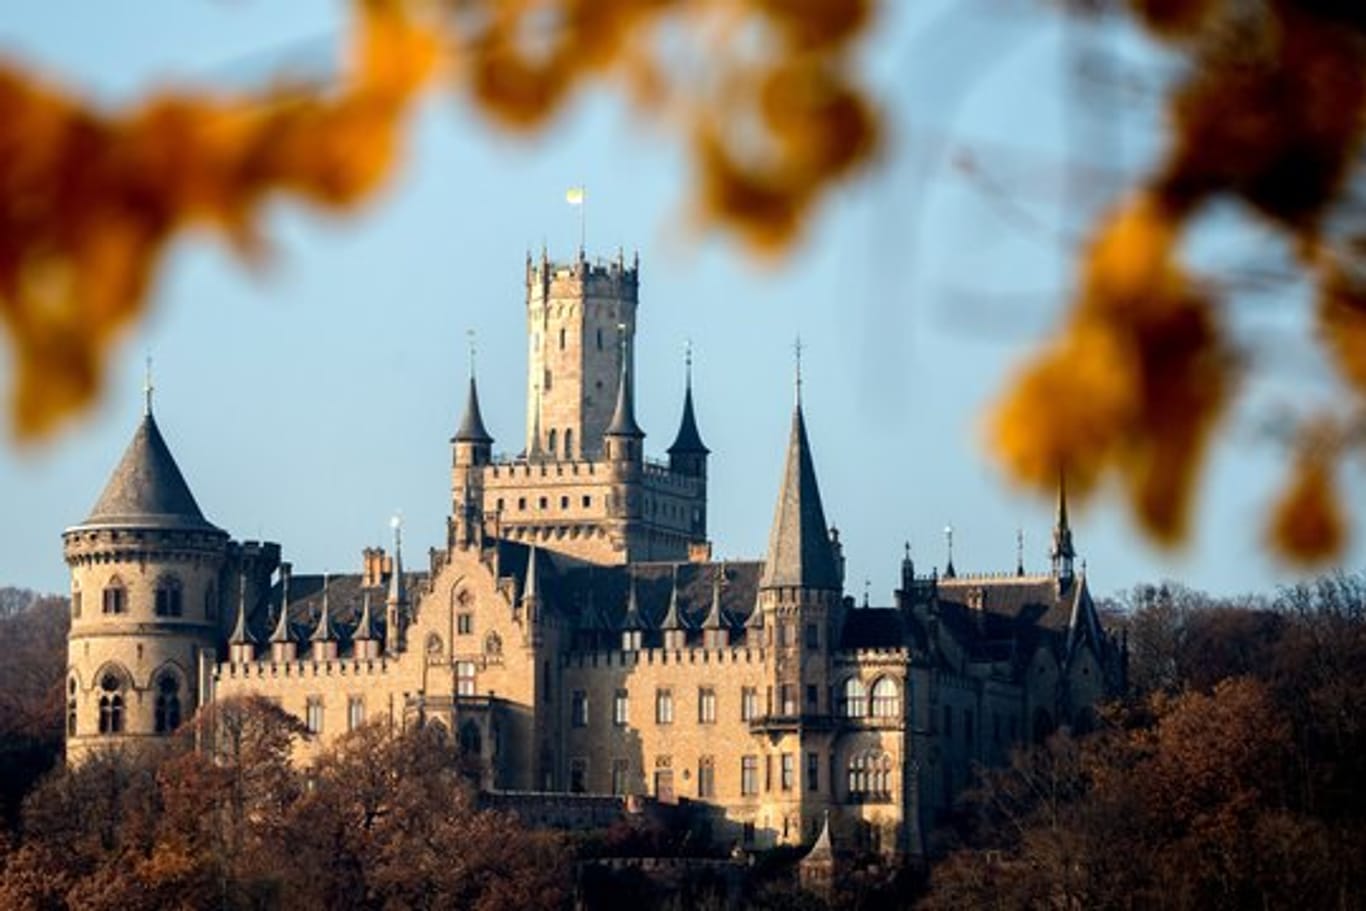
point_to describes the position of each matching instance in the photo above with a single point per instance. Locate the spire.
(634, 620)
(623, 422)
(281, 631)
(1019, 552)
(799, 551)
(398, 594)
(365, 626)
(324, 632)
(688, 441)
(471, 425)
(949, 571)
(531, 586)
(714, 618)
(241, 634)
(1063, 553)
(147, 388)
(147, 489)
(673, 617)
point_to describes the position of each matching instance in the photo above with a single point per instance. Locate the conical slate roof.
(624, 416)
(688, 441)
(471, 429)
(799, 551)
(147, 489)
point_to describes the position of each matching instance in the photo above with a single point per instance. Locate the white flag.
(574, 196)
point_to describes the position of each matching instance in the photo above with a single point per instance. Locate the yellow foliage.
(90, 199)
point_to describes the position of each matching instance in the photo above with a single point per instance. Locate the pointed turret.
(1063, 554)
(147, 489)
(675, 629)
(395, 605)
(687, 453)
(531, 588)
(715, 631)
(324, 636)
(282, 645)
(623, 435)
(633, 623)
(471, 429)
(241, 644)
(363, 636)
(799, 551)
(949, 571)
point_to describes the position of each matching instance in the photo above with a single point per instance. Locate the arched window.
(569, 442)
(112, 686)
(854, 699)
(115, 597)
(71, 707)
(168, 595)
(168, 703)
(552, 441)
(210, 603)
(886, 700)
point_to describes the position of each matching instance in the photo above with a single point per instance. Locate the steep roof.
(471, 429)
(799, 551)
(688, 441)
(147, 489)
(623, 422)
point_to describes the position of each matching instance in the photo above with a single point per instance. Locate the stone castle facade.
(573, 634)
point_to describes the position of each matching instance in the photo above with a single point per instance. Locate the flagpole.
(583, 226)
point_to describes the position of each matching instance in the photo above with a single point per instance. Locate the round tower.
(146, 570)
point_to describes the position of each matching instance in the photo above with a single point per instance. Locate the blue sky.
(309, 400)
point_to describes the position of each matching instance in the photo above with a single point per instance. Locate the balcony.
(788, 723)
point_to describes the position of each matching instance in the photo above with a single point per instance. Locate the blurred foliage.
(1268, 114)
(761, 92)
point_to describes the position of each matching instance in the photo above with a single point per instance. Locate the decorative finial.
(949, 571)
(867, 584)
(396, 523)
(906, 550)
(797, 361)
(687, 360)
(1019, 552)
(474, 349)
(147, 386)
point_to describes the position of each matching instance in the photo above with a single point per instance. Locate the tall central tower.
(576, 315)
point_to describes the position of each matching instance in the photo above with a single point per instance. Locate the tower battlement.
(582, 277)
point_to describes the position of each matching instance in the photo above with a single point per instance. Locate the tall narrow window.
(621, 773)
(464, 678)
(76, 604)
(853, 699)
(621, 714)
(313, 714)
(749, 703)
(788, 772)
(71, 707)
(706, 777)
(111, 703)
(561, 338)
(115, 597)
(813, 771)
(168, 597)
(569, 442)
(788, 697)
(706, 705)
(599, 339)
(578, 776)
(355, 712)
(168, 703)
(664, 706)
(579, 709)
(552, 441)
(886, 703)
(749, 776)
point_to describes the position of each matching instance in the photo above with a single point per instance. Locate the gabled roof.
(471, 429)
(147, 489)
(799, 551)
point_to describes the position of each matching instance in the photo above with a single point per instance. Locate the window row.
(882, 701)
(314, 714)
(543, 503)
(869, 775)
(168, 599)
(113, 703)
(664, 706)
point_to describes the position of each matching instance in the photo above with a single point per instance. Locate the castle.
(573, 634)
